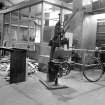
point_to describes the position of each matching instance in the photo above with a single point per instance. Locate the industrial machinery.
(54, 62)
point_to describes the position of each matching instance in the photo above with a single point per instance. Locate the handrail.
(85, 50)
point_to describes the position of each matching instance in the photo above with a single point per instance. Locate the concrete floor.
(33, 92)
